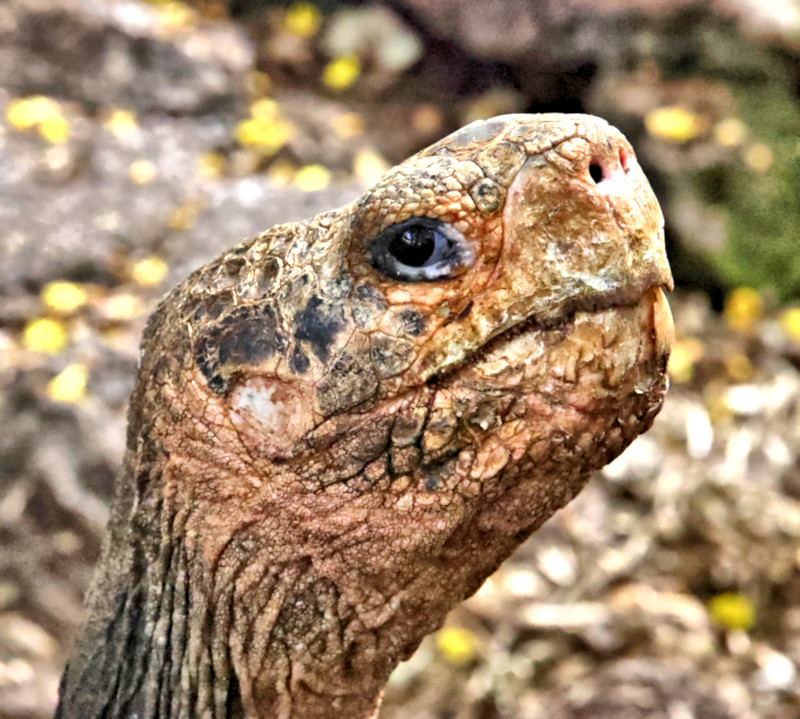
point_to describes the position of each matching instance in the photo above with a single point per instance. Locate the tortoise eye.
(421, 249)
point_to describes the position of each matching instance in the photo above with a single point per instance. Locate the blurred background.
(138, 139)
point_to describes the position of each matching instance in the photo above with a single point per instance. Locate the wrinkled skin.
(322, 460)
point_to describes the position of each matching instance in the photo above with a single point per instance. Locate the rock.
(122, 53)
(505, 31)
(516, 30)
(375, 33)
(239, 208)
(76, 229)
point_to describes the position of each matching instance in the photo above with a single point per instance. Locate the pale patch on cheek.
(271, 415)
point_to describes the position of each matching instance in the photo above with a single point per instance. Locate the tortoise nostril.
(608, 167)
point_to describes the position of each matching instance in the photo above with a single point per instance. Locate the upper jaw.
(588, 300)
(630, 340)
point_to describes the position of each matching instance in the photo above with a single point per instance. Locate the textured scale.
(322, 460)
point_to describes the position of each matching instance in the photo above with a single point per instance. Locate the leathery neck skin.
(342, 426)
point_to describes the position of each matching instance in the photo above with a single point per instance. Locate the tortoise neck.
(170, 634)
(144, 622)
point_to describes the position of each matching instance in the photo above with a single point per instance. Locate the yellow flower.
(45, 335)
(685, 354)
(55, 129)
(265, 134)
(312, 178)
(789, 321)
(122, 307)
(743, 308)
(69, 385)
(120, 122)
(40, 113)
(150, 271)
(27, 112)
(142, 172)
(732, 611)
(264, 107)
(302, 19)
(341, 73)
(176, 15)
(457, 645)
(674, 124)
(64, 297)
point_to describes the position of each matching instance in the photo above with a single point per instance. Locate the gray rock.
(120, 53)
(516, 30)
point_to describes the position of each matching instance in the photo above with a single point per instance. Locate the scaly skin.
(323, 460)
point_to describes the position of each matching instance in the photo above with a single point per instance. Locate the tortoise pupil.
(414, 246)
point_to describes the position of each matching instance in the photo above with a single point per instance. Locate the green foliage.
(762, 207)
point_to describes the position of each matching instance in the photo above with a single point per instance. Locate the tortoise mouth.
(652, 297)
(642, 318)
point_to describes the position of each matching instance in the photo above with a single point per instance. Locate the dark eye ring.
(421, 249)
